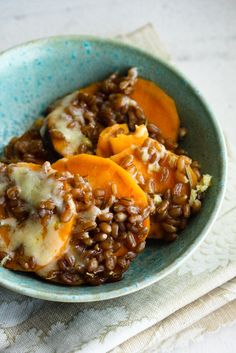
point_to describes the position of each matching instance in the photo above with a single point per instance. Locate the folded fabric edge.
(180, 320)
(146, 38)
(209, 324)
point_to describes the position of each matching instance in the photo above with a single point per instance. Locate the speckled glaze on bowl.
(35, 74)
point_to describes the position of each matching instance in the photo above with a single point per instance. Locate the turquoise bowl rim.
(175, 264)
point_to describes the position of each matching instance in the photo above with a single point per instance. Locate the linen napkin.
(199, 297)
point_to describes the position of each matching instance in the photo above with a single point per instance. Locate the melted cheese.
(140, 130)
(42, 246)
(126, 101)
(8, 222)
(36, 186)
(153, 167)
(144, 154)
(5, 229)
(5, 259)
(160, 151)
(90, 214)
(72, 135)
(43, 243)
(81, 260)
(157, 199)
(65, 101)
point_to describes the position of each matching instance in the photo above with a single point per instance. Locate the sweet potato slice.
(30, 239)
(162, 171)
(116, 138)
(91, 89)
(104, 148)
(158, 107)
(102, 173)
(136, 138)
(157, 175)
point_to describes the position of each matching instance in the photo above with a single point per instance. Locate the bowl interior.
(34, 75)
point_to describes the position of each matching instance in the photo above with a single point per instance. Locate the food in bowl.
(84, 187)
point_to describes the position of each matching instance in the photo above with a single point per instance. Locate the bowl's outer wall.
(34, 75)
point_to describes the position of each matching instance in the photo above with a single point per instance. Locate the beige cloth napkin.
(198, 297)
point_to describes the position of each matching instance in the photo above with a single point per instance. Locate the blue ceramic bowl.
(35, 74)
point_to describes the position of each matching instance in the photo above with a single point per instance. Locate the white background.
(200, 36)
